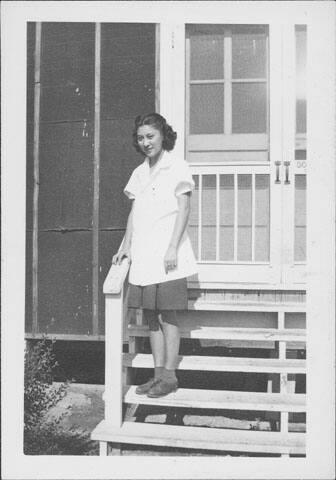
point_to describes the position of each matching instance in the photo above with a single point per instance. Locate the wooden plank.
(65, 283)
(118, 159)
(67, 72)
(224, 400)
(96, 174)
(253, 215)
(222, 364)
(128, 71)
(65, 337)
(235, 222)
(201, 438)
(296, 335)
(217, 206)
(66, 176)
(200, 219)
(198, 159)
(249, 295)
(157, 67)
(237, 141)
(245, 307)
(216, 284)
(227, 53)
(37, 99)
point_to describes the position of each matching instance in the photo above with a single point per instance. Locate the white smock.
(155, 209)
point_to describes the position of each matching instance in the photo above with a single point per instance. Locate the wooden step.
(201, 438)
(223, 400)
(222, 364)
(244, 306)
(266, 334)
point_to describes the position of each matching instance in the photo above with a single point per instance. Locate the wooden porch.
(206, 324)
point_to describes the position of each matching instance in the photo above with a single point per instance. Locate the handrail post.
(114, 290)
(113, 358)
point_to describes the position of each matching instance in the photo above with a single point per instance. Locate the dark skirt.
(171, 295)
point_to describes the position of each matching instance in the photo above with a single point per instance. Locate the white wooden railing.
(114, 289)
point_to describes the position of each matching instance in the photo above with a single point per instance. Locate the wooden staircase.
(119, 429)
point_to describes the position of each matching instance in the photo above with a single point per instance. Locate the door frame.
(280, 272)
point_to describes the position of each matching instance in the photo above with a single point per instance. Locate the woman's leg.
(156, 338)
(171, 334)
(158, 347)
(158, 351)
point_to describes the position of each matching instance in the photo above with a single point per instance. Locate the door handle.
(277, 171)
(287, 181)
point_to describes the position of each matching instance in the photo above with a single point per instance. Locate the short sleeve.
(184, 180)
(132, 188)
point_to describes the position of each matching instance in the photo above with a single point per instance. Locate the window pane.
(300, 218)
(193, 217)
(206, 57)
(249, 52)
(244, 217)
(301, 96)
(262, 218)
(209, 217)
(206, 109)
(227, 210)
(249, 108)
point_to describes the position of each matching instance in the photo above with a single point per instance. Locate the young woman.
(157, 245)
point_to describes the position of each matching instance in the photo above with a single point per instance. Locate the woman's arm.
(170, 259)
(125, 250)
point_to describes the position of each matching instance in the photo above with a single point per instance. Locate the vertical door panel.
(29, 172)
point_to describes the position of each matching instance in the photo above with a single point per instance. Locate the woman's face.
(150, 141)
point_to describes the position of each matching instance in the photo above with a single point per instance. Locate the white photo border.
(320, 460)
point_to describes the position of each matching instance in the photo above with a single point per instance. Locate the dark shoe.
(145, 387)
(162, 388)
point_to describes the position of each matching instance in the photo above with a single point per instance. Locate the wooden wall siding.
(65, 283)
(67, 72)
(118, 159)
(259, 297)
(67, 219)
(29, 170)
(66, 176)
(128, 70)
(127, 89)
(65, 180)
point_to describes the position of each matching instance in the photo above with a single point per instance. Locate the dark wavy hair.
(159, 122)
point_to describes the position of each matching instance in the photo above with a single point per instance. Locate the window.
(227, 92)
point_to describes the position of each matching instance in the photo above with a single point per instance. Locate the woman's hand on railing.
(118, 257)
(116, 275)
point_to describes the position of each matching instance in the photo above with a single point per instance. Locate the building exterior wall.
(79, 222)
(93, 80)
